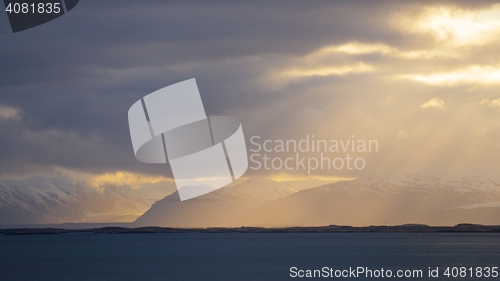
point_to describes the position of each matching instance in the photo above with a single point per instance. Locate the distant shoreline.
(407, 228)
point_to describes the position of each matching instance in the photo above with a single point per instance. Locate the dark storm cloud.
(69, 77)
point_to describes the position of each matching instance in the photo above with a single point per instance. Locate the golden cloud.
(490, 102)
(433, 103)
(328, 70)
(471, 74)
(8, 112)
(357, 48)
(121, 178)
(454, 25)
(285, 177)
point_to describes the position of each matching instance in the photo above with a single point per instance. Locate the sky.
(420, 78)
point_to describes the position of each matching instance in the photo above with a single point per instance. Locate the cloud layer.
(286, 69)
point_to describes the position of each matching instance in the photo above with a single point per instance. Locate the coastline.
(406, 228)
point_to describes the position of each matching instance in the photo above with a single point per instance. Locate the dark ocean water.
(235, 256)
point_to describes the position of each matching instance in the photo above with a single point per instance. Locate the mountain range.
(48, 200)
(369, 200)
(223, 207)
(388, 199)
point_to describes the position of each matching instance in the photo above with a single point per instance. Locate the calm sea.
(236, 256)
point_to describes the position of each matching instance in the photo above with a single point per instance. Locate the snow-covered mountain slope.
(223, 207)
(60, 199)
(395, 199)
